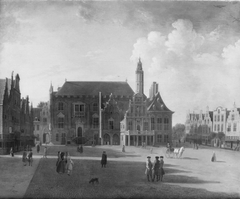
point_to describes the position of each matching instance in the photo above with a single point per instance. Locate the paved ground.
(193, 171)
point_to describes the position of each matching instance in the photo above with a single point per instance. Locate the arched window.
(95, 121)
(60, 106)
(130, 125)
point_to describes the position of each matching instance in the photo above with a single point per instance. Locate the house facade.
(147, 120)
(16, 126)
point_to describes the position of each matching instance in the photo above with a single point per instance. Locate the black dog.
(94, 180)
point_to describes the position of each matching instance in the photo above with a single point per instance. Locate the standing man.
(161, 170)
(149, 166)
(156, 166)
(30, 160)
(45, 152)
(24, 157)
(104, 159)
(38, 148)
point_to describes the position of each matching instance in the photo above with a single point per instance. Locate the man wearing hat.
(148, 171)
(161, 170)
(156, 166)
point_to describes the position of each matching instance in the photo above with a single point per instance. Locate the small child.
(70, 164)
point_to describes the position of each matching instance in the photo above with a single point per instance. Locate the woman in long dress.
(61, 165)
(24, 157)
(69, 165)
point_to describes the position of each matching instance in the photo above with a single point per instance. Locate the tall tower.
(139, 78)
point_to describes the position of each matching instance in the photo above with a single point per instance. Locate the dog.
(93, 180)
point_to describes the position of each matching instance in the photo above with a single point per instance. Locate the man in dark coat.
(104, 159)
(155, 168)
(38, 148)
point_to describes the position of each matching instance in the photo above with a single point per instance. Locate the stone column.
(137, 140)
(128, 140)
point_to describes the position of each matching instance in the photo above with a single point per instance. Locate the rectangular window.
(215, 118)
(229, 127)
(166, 124)
(60, 122)
(234, 127)
(145, 126)
(95, 122)
(218, 117)
(60, 106)
(79, 110)
(152, 123)
(130, 125)
(218, 127)
(95, 107)
(159, 138)
(215, 128)
(232, 117)
(159, 123)
(110, 123)
(222, 117)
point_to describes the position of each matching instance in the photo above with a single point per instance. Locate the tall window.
(159, 138)
(229, 127)
(60, 106)
(130, 125)
(152, 123)
(215, 118)
(218, 117)
(234, 127)
(95, 122)
(222, 127)
(78, 110)
(166, 123)
(145, 127)
(232, 116)
(60, 122)
(222, 118)
(110, 123)
(218, 127)
(57, 138)
(95, 107)
(159, 123)
(215, 128)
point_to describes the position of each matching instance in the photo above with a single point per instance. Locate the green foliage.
(178, 131)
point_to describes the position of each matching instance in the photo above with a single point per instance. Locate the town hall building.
(111, 113)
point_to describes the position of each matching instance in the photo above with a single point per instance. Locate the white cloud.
(93, 54)
(189, 78)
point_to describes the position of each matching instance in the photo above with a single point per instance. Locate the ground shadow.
(188, 158)
(221, 161)
(184, 179)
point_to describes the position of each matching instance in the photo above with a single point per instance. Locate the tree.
(178, 131)
(220, 135)
(41, 104)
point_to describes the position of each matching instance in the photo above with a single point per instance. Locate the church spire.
(139, 78)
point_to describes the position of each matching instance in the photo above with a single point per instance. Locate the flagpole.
(100, 118)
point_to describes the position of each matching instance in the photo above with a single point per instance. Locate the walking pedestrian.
(161, 170)
(156, 166)
(104, 159)
(45, 152)
(30, 157)
(38, 148)
(24, 157)
(58, 159)
(11, 152)
(149, 166)
(70, 164)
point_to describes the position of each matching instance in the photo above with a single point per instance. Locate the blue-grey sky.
(192, 49)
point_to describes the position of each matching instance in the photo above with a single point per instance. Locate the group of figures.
(155, 169)
(64, 163)
(27, 157)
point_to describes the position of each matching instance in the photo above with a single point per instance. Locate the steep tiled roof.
(93, 88)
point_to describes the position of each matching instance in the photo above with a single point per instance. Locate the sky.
(191, 49)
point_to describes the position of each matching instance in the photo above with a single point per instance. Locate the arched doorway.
(116, 139)
(106, 139)
(80, 138)
(79, 132)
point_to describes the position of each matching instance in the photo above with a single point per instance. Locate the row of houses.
(16, 116)
(218, 120)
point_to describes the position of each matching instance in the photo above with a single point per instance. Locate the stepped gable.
(157, 104)
(93, 88)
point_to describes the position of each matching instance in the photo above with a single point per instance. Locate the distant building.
(219, 120)
(147, 120)
(16, 126)
(42, 124)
